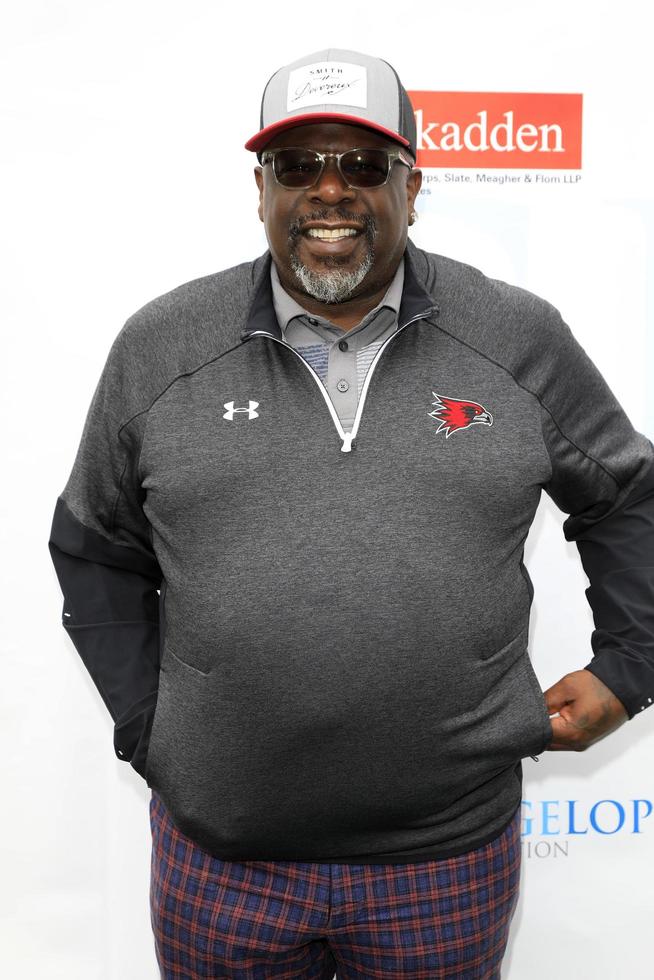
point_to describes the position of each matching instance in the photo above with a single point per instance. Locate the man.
(327, 461)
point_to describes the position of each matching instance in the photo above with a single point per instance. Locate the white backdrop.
(123, 175)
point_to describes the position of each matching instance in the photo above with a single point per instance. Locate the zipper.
(535, 757)
(348, 437)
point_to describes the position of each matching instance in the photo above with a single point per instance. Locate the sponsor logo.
(548, 826)
(454, 414)
(231, 411)
(498, 130)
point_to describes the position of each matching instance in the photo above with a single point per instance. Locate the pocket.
(500, 716)
(519, 699)
(153, 729)
(187, 665)
(146, 770)
(543, 717)
(182, 695)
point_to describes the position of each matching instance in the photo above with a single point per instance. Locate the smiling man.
(291, 555)
(336, 245)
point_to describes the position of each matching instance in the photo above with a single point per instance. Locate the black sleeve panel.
(617, 554)
(111, 613)
(101, 546)
(603, 479)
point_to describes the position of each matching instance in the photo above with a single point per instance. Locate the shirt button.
(343, 345)
(342, 385)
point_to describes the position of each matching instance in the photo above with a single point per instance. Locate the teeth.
(331, 232)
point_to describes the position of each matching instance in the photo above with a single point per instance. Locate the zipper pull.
(534, 757)
(347, 443)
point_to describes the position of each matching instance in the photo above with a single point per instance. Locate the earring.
(413, 217)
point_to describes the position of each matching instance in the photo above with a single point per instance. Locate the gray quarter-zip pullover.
(337, 666)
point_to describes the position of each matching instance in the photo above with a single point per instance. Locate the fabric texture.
(316, 648)
(442, 920)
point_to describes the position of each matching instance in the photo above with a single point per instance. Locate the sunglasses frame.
(268, 156)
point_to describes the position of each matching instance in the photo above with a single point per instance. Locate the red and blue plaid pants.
(445, 919)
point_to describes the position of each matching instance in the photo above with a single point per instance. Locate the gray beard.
(333, 285)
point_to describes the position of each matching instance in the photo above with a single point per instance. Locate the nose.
(331, 188)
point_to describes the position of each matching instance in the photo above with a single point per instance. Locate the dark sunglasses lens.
(365, 168)
(296, 168)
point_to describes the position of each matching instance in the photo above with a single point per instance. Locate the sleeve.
(101, 547)
(603, 478)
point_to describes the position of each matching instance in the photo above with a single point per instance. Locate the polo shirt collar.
(417, 300)
(287, 308)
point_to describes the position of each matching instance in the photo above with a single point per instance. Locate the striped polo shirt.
(339, 357)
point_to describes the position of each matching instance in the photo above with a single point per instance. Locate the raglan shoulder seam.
(132, 321)
(432, 261)
(146, 411)
(169, 384)
(538, 398)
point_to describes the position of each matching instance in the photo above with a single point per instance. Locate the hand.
(587, 709)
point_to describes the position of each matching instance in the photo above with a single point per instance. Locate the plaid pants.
(445, 919)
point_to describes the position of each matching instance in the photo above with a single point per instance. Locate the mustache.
(332, 215)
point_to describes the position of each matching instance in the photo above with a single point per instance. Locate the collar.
(288, 309)
(261, 318)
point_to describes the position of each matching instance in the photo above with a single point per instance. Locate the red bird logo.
(453, 414)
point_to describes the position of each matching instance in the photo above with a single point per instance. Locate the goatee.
(335, 284)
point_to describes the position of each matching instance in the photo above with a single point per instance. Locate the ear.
(413, 184)
(258, 176)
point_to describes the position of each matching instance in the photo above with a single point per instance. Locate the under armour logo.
(231, 411)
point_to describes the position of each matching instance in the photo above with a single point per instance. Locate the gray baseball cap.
(336, 86)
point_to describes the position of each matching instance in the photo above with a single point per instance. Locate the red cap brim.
(264, 136)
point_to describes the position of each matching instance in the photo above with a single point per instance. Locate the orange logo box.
(508, 130)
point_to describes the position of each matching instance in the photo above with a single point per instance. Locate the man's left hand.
(588, 711)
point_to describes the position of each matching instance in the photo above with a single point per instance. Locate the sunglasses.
(298, 169)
